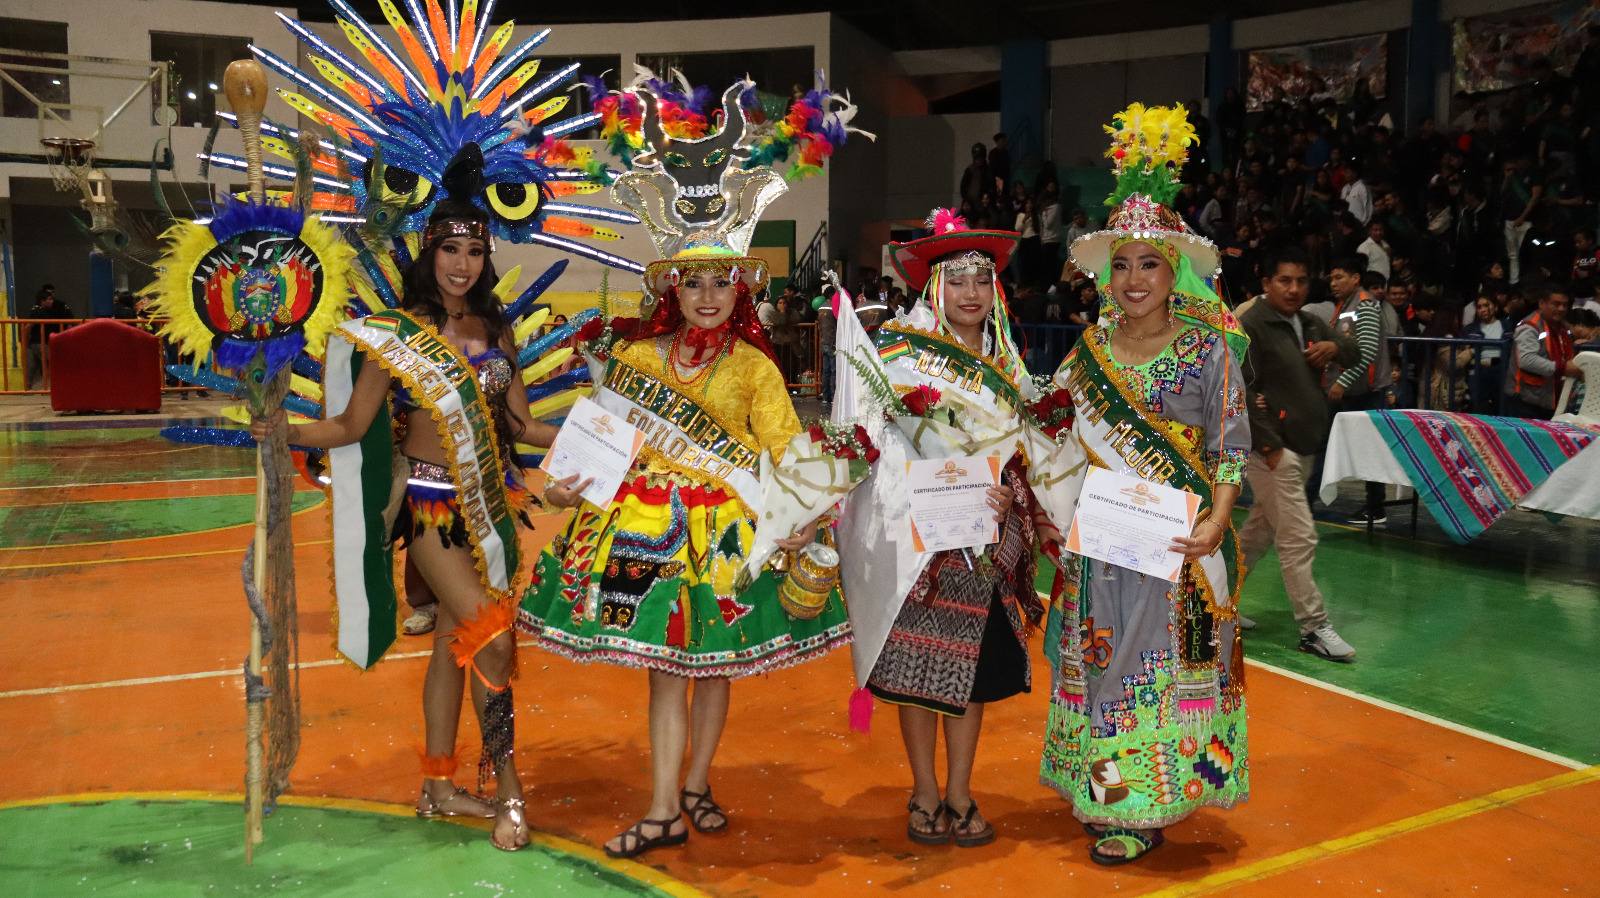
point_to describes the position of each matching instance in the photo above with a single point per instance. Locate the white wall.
(121, 29)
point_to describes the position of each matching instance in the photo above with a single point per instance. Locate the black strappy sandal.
(933, 835)
(699, 806)
(641, 843)
(970, 840)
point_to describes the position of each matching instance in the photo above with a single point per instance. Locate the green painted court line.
(128, 848)
(84, 522)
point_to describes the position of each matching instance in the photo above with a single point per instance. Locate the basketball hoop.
(70, 160)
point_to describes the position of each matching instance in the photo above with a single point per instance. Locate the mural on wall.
(1319, 71)
(1508, 49)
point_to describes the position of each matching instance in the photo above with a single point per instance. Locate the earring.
(1115, 315)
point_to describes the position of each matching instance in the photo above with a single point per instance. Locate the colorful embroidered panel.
(1470, 470)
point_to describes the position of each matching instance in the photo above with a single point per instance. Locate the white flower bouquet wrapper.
(797, 491)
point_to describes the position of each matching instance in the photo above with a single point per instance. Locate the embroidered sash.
(441, 381)
(1119, 433)
(681, 434)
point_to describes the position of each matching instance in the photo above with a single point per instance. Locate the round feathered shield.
(259, 277)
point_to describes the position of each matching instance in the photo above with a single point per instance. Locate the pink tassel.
(861, 710)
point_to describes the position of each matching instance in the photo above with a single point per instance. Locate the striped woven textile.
(1470, 469)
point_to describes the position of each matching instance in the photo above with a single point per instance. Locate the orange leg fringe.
(471, 636)
(438, 767)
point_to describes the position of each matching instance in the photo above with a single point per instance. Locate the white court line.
(1420, 715)
(198, 675)
(67, 486)
(1271, 668)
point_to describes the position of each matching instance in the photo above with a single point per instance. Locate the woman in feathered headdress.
(1147, 720)
(446, 357)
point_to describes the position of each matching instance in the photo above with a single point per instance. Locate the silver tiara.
(971, 259)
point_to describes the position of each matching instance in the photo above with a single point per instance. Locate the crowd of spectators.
(1465, 228)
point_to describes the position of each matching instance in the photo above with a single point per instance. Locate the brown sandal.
(970, 840)
(641, 843)
(699, 806)
(933, 835)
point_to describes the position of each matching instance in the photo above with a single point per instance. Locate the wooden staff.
(245, 83)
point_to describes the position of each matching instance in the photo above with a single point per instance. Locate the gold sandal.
(513, 808)
(430, 808)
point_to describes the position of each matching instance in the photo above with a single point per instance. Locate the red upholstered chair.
(105, 366)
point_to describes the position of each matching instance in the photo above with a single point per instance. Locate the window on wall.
(198, 61)
(779, 73)
(44, 37)
(606, 68)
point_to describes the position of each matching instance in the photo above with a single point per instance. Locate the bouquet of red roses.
(848, 442)
(1052, 412)
(921, 400)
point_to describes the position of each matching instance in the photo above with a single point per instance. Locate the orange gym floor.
(123, 682)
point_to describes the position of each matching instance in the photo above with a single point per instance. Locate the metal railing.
(25, 347)
(799, 357)
(1454, 374)
(1045, 345)
(807, 271)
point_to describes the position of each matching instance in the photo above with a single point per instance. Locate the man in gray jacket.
(1544, 356)
(1289, 348)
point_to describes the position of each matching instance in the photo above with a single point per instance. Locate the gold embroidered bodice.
(744, 392)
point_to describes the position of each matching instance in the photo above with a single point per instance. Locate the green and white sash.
(681, 434)
(440, 380)
(1118, 433)
(987, 402)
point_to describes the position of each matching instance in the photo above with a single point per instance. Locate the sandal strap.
(1132, 841)
(933, 816)
(514, 808)
(700, 805)
(637, 831)
(965, 819)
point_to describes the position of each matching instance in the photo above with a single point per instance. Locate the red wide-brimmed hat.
(914, 259)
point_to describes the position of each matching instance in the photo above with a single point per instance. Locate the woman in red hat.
(959, 639)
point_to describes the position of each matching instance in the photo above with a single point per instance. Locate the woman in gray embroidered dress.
(1147, 716)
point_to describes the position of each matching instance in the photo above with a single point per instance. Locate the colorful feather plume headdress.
(812, 127)
(395, 113)
(702, 166)
(1149, 145)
